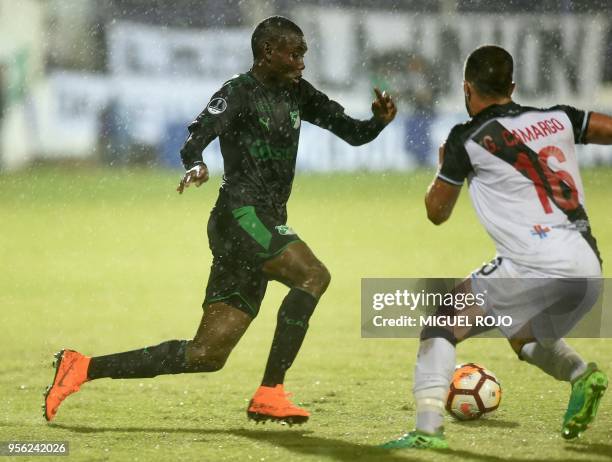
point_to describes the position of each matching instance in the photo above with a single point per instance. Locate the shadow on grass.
(492, 423)
(582, 447)
(344, 451)
(296, 441)
(303, 442)
(308, 445)
(469, 455)
(599, 449)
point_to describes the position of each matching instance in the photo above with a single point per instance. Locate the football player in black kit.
(257, 117)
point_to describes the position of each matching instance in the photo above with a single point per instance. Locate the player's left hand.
(196, 175)
(383, 107)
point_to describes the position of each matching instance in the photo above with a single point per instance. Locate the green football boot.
(587, 391)
(417, 440)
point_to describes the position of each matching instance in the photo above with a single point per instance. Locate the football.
(474, 392)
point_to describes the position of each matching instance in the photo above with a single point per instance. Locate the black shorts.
(241, 240)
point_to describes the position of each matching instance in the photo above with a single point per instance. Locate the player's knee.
(317, 279)
(207, 363)
(202, 359)
(517, 345)
(324, 278)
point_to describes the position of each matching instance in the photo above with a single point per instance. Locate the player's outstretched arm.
(197, 175)
(318, 109)
(599, 130)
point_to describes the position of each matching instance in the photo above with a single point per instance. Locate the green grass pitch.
(108, 260)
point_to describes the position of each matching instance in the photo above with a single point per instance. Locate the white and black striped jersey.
(524, 181)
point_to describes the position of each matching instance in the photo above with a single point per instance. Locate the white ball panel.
(464, 407)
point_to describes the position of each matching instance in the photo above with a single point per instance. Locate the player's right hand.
(383, 107)
(196, 175)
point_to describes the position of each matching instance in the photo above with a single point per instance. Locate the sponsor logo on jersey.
(295, 119)
(284, 230)
(217, 106)
(582, 226)
(541, 231)
(263, 107)
(265, 122)
(264, 151)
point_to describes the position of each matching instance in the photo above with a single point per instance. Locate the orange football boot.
(272, 403)
(70, 373)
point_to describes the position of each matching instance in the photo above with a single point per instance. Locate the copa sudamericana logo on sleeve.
(217, 106)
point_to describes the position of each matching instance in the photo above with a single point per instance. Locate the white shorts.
(551, 305)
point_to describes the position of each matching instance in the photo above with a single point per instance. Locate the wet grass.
(107, 260)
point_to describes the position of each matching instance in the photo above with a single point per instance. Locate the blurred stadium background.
(117, 81)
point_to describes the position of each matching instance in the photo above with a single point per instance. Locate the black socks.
(291, 327)
(169, 357)
(165, 358)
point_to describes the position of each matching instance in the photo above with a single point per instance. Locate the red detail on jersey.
(524, 165)
(555, 179)
(535, 131)
(558, 186)
(510, 138)
(538, 230)
(557, 124)
(544, 128)
(526, 137)
(490, 144)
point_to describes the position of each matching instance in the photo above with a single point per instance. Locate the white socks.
(436, 363)
(432, 375)
(557, 359)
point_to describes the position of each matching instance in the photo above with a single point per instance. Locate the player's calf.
(220, 329)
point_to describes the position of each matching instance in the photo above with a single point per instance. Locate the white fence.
(160, 79)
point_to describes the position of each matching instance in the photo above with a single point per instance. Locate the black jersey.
(259, 129)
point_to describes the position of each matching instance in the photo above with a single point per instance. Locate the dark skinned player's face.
(286, 59)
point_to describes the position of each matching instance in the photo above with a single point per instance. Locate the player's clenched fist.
(196, 175)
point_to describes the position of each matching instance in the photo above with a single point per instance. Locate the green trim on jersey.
(236, 294)
(250, 222)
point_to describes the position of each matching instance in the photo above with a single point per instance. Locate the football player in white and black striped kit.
(523, 178)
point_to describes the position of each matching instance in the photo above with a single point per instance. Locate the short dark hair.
(271, 29)
(489, 68)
